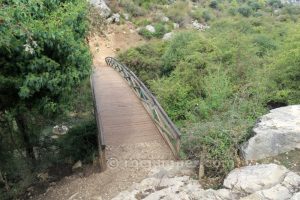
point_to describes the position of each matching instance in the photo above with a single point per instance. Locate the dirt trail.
(117, 38)
(127, 164)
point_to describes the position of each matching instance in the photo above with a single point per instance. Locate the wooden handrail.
(101, 141)
(164, 124)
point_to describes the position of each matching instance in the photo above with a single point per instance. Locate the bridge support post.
(102, 158)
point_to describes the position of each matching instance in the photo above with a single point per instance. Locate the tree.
(43, 56)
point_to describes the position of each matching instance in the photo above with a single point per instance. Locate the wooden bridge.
(127, 112)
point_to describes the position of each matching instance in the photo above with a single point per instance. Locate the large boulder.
(102, 7)
(250, 179)
(285, 190)
(275, 133)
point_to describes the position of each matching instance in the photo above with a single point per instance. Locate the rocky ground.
(264, 181)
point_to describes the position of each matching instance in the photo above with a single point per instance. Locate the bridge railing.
(101, 142)
(164, 124)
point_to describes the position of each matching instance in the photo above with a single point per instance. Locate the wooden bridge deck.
(124, 119)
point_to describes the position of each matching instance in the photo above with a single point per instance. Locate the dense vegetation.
(216, 83)
(43, 62)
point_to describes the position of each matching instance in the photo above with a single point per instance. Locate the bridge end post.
(102, 158)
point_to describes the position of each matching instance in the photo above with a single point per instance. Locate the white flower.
(29, 48)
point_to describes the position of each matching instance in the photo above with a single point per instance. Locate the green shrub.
(145, 60)
(265, 44)
(132, 8)
(254, 5)
(245, 10)
(160, 30)
(213, 4)
(178, 12)
(80, 143)
(286, 72)
(275, 3)
(145, 33)
(206, 15)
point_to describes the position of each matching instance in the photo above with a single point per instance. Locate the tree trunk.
(24, 131)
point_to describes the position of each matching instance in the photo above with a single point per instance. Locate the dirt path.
(127, 164)
(117, 38)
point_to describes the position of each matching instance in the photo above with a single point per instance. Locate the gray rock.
(175, 25)
(115, 18)
(168, 36)
(165, 19)
(259, 182)
(296, 196)
(196, 25)
(77, 166)
(250, 179)
(150, 28)
(102, 7)
(60, 129)
(126, 16)
(277, 132)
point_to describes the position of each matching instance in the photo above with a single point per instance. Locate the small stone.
(165, 19)
(175, 25)
(77, 165)
(126, 16)
(168, 36)
(150, 28)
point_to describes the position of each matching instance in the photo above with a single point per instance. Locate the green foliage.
(286, 72)
(178, 12)
(43, 57)
(132, 8)
(215, 84)
(139, 60)
(47, 53)
(80, 143)
(245, 10)
(275, 3)
(265, 44)
(145, 33)
(160, 30)
(213, 4)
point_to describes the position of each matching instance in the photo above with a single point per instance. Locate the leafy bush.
(145, 60)
(213, 4)
(206, 15)
(265, 44)
(275, 3)
(178, 12)
(160, 30)
(245, 10)
(286, 72)
(132, 8)
(145, 33)
(80, 143)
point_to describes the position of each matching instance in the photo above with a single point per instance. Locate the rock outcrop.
(275, 133)
(257, 182)
(102, 7)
